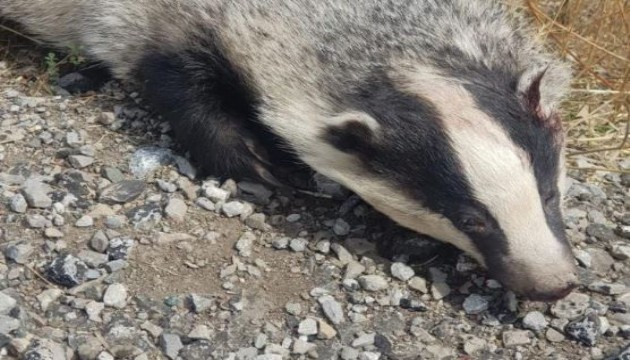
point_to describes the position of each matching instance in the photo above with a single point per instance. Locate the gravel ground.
(111, 248)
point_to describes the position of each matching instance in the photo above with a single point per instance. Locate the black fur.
(415, 153)
(212, 110)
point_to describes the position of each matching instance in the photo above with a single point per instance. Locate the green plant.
(52, 66)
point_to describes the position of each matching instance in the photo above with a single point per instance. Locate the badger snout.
(549, 282)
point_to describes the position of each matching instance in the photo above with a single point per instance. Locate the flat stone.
(554, 335)
(36, 221)
(53, 233)
(343, 254)
(92, 258)
(237, 208)
(84, 221)
(308, 327)
(99, 242)
(171, 345)
(474, 345)
(200, 332)
(298, 245)
(166, 186)
(294, 309)
(353, 270)
(512, 338)
(200, 303)
(122, 192)
(280, 243)
(600, 232)
(401, 271)
(571, 307)
(583, 257)
(348, 353)
(115, 296)
(364, 340)
(48, 297)
(8, 324)
(256, 221)
(176, 209)
(205, 204)
(440, 290)
(341, 227)
(475, 304)
(245, 243)
(80, 161)
(18, 204)
(621, 251)
(66, 270)
(608, 288)
(7, 303)
(535, 321)
(585, 329)
(373, 282)
(332, 309)
(215, 194)
(301, 347)
(326, 332)
(18, 253)
(601, 261)
(93, 309)
(36, 194)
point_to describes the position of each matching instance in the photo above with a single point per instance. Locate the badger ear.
(351, 132)
(541, 89)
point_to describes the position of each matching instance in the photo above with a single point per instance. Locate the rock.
(294, 309)
(84, 221)
(176, 209)
(353, 270)
(80, 161)
(373, 282)
(115, 296)
(18, 253)
(583, 257)
(261, 341)
(200, 303)
(341, 228)
(401, 271)
(256, 221)
(601, 232)
(48, 297)
(99, 242)
(608, 288)
(53, 233)
(535, 321)
(8, 324)
(343, 255)
(513, 338)
(171, 345)
(215, 194)
(418, 284)
(571, 307)
(332, 309)
(620, 251)
(92, 258)
(280, 243)
(554, 336)
(237, 208)
(18, 204)
(7, 303)
(205, 204)
(114, 221)
(66, 270)
(585, 329)
(475, 304)
(122, 192)
(36, 194)
(298, 245)
(413, 305)
(308, 327)
(474, 345)
(36, 221)
(440, 290)
(364, 340)
(93, 310)
(326, 332)
(348, 353)
(45, 349)
(200, 332)
(112, 174)
(145, 217)
(601, 261)
(166, 186)
(120, 247)
(301, 347)
(245, 243)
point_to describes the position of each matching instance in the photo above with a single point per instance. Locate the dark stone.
(122, 192)
(198, 350)
(66, 270)
(584, 329)
(413, 305)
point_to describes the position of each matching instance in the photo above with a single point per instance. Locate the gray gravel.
(111, 248)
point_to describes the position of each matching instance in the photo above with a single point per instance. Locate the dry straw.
(595, 36)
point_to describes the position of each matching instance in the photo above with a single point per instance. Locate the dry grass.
(594, 35)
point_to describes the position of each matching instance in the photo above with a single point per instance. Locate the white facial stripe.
(499, 172)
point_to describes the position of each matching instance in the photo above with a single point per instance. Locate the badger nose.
(554, 294)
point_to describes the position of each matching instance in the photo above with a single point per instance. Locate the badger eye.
(473, 224)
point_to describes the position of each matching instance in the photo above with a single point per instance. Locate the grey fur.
(311, 64)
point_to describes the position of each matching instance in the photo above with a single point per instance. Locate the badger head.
(475, 160)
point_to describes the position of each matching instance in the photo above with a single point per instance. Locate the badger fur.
(442, 114)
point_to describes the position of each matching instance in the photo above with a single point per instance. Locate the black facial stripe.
(413, 151)
(525, 130)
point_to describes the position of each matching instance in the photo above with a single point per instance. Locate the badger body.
(441, 114)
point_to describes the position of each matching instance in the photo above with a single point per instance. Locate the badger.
(441, 114)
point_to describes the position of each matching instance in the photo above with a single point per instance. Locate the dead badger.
(441, 114)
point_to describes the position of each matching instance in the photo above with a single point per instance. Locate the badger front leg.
(211, 111)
